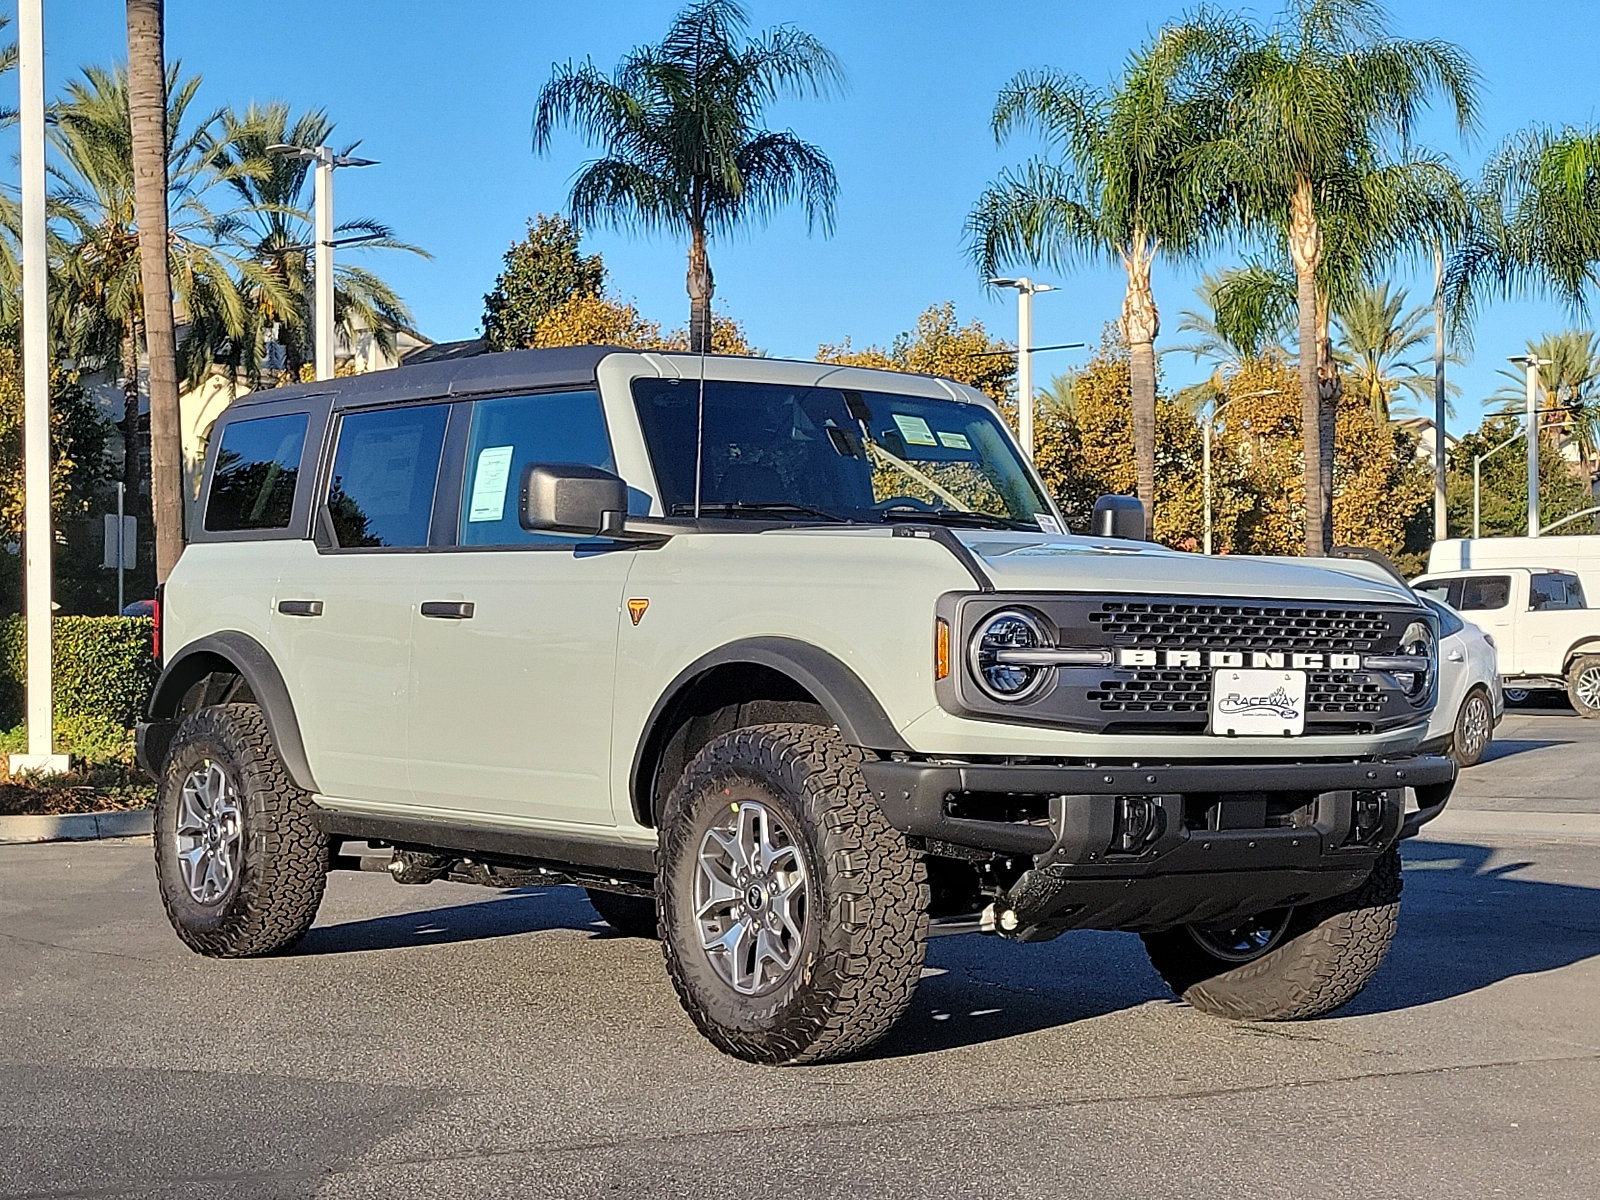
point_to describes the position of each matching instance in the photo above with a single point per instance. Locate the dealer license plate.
(1258, 703)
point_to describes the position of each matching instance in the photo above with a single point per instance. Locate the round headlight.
(1418, 640)
(1009, 630)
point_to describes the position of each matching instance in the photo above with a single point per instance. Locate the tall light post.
(37, 534)
(1026, 290)
(1477, 470)
(1206, 429)
(322, 203)
(1532, 363)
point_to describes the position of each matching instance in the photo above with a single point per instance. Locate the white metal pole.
(1025, 365)
(323, 204)
(35, 386)
(1441, 524)
(1477, 484)
(121, 552)
(1533, 446)
(1205, 473)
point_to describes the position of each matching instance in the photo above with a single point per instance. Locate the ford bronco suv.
(790, 664)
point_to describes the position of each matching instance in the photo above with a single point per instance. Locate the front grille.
(1191, 624)
(1190, 692)
(1337, 693)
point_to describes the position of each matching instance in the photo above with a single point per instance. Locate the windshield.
(777, 449)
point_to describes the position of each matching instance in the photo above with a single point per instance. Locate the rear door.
(342, 614)
(1487, 601)
(515, 634)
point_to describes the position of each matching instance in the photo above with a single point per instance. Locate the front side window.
(508, 433)
(860, 456)
(1485, 593)
(1551, 590)
(253, 479)
(384, 472)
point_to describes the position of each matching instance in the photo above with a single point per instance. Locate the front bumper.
(1223, 841)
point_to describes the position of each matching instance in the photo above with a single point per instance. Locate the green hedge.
(104, 669)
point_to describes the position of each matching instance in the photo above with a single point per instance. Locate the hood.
(1025, 562)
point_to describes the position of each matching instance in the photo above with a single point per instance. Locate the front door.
(514, 636)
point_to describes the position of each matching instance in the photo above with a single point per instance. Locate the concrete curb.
(1467, 822)
(76, 827)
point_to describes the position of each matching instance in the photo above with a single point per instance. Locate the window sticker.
(489, 484)
(1047, 523)
(954, 441)
(915, 430)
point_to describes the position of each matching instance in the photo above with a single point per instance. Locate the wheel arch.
(202, 668)
(1588, 644)
(756, 680)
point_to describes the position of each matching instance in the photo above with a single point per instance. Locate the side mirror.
(1118, 517)
(573, 498)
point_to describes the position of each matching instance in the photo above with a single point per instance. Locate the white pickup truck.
(1546, 634)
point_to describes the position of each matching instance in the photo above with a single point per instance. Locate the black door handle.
(300, 608)
(452, 610)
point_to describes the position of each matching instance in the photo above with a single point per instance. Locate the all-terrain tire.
(283, 858)
(1583, 685)
(866, 925)
(1329, 951)
(631, 916)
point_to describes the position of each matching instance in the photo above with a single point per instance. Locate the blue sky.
(442, 94)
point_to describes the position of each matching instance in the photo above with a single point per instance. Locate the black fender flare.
(250, 659)
(848, 702)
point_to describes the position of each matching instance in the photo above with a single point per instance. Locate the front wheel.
(1474, 728)
(1289, 964)
(1583, 685)
(793, 915)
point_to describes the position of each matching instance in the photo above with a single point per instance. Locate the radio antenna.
(700, 435)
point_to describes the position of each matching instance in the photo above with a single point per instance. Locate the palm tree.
(272, 235)
(1379, 338)
(1569, 383)
(1118, 188)
(147, 124)
(1318, 97)
(101, 270)
(684, 150)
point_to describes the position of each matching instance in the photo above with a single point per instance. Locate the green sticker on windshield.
(954, 441)
(915, 430)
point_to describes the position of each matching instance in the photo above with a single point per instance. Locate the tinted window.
(252, 484)
(1483, 593)
(1439, 589)
(1554, 590)
(384, 471)
(509, 433)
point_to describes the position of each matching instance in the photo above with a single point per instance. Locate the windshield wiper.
(956, 516)
(759, 507)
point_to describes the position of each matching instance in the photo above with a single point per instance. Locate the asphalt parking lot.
(449, 1041)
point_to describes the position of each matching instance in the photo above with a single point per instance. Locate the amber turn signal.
(941, 649)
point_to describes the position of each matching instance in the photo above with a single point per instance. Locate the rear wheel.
(1583, 685)
(1288, 964)
(240, 862)
(1474, 728)
(631, 916)
(1516, 696)
(793, 915)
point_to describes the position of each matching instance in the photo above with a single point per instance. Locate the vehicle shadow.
(1465, 925)
(498, 914)
(1506, 747)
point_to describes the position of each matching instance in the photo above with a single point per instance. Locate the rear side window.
(1484, 593)
(1553, 590)
(1447, 590)
(384, 472)
(508, 433)
(253, 479)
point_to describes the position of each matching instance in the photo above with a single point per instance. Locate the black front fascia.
(1163, 700)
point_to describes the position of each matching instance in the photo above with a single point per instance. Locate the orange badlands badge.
(636, 609)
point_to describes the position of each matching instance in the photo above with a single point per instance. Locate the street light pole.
(325, 161)
(1532, 363)
(37, 534)
(1026, 288)
(1477, 468)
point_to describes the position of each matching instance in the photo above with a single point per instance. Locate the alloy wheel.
(1245, 942)
(1587, 687)
(209, 833)
(751, 896)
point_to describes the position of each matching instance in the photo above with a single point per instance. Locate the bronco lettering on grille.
(1270, 659)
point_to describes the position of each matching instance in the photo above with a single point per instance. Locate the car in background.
(1470, 699)
(139, 608)
(1546, 635)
